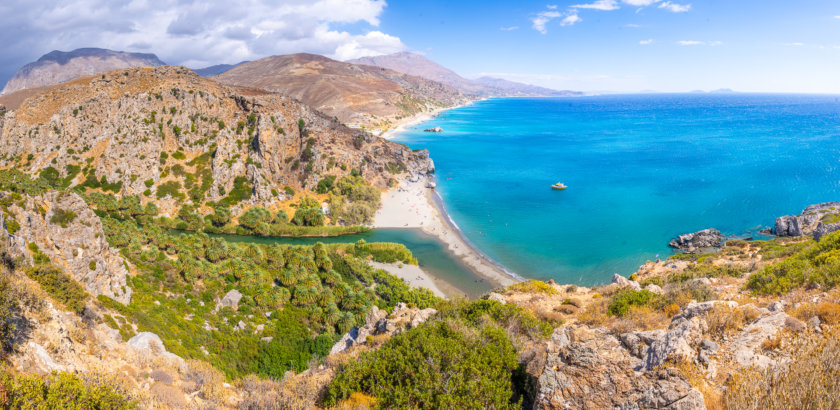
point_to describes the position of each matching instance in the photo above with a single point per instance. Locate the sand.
(416, 277)
(416, 119)
(413, 205)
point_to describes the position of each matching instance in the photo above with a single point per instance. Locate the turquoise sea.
(641, 169)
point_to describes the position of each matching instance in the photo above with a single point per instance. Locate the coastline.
(412, 205)
(419, 118)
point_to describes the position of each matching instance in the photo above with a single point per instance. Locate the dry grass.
(639, 318)
(829, 313)
(357, 401)
(809, 382)
(696, 377)
(773, 343)
(724, 320)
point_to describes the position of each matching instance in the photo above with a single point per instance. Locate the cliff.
(169, 135)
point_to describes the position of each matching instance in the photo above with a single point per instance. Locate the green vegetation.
(171, 189)
(463, 358)
(59, 285)
(62, 390)
(624, 299)
(353, 201)
(62, 217)
(241, 191)
(811, 265)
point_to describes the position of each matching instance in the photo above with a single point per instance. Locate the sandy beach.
(413, 205)
(417, 278)
(417, 119)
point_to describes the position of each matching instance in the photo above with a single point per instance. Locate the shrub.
(61, 391)
(624, 299)
(817, 264)
(170, 188)
(829, 313)
(59, 286)
(440, 365)
(309, 216)
(62, 217)
(533, 286)
(325, 184)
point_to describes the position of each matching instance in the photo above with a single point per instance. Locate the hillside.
(171, 136)
(356, 95)
(59, 66)
(215, 70)
(421, 66)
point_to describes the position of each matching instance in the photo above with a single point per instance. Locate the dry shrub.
(810, 380)
(804, 311)
(302, 391)
(595, 314)
(207, 380)
(724, 320)
(260, 394)
(829, 313)
(357, 401)
(566, 309)
(168, 395)
(772, 343)
(573, 302)
(640, 318)
(696, 377)
(671, 310)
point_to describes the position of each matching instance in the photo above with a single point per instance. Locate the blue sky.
(601, 45)
(745, 45)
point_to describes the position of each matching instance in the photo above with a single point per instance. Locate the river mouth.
(432, 255)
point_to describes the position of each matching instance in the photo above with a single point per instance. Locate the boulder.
(231, 300)
(677, 344)
(497, 297)
(378, 322)
(624, 282)
(589, 368)
(151, 343)
(697, 241)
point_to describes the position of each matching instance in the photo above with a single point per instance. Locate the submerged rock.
(694, 242)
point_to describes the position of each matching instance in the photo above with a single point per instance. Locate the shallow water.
(432, 255)
(641, 169)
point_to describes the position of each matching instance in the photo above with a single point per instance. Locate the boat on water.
(559, 185)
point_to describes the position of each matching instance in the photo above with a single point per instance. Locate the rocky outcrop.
(59, 66)
(624, 282)
(698, 241)
(379, 322)
(807, 222)
(590, 368)
(66, 230)
(825, 229)
(127, 126)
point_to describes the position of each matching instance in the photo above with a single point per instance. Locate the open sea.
(640, 169)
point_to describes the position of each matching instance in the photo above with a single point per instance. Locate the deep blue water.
(640, 169)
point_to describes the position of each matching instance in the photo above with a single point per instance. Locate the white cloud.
(794, 44)
(700, 43)
(675, 8)
(542, 18)
(837, 17)
(605, 5)
(646, 42)
(194, 33)
(632, 25)
(640, 3)
(511, 28)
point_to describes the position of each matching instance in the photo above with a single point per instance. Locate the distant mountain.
(59, 66)
(355, 94)
(217, 69)
(419, 65)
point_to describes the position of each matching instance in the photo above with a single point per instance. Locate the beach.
(417, 119)
(417, 278)
(413, 205)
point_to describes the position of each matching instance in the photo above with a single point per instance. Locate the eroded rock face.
(807, 222)
(78, 245)
(694, 242)
(589, 368)
(825, 229)
(379, 322)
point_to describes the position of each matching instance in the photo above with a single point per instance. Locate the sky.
(594, 46)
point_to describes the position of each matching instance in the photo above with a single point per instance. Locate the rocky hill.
(421, 66)
(215, 70)
(169, 135)
(355, 94)
(60, 66)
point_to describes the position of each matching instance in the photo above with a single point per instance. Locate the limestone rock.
(678, 343)
(697, 241)
(749, 340)
(589, 368)
(825, 229)
(231, 300)
(624, 282)
(378, 322)
(79, 246)
(807, 222)
(151, 343)
(497, 297)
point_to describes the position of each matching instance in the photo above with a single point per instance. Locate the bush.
(533, 286)
(624, 299)
(441, 365)
(817, 264)
(62, 217)
(309, 216)
(170, 188)
(61, 391)
(326, 184)
(59, 286)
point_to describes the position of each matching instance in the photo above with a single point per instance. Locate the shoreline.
(418, 118)
(412, 205)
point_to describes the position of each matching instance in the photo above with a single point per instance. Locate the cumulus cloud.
(192, 32)
(640, 3)
(674, 7)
